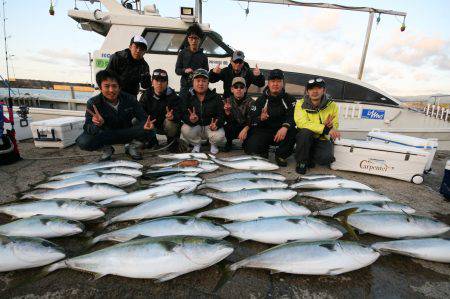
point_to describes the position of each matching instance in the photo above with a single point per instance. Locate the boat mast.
(6, 48)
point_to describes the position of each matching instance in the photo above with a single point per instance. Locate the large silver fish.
(242, 157)
(343, 195)
(393, 224)
(166, 226)
(430, 249)
(71, 209)
(119, 180)
(108, 164)
(236, 185)
(368, 206)
(190, 162)
(246, 175)
(278, 230)
(164, 206)
(137, 197)
(25, 252)
(176, 180)
(156, 173)
(254, 194)
(185, 156)
(86, 191)
(42, 227)
(161, 258)
(247, 164)
(251, 210)
(318, 176)
(176, 175)
(118, 170)
(329, 183)
(315, 258)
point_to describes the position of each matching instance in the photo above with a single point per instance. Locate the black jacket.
(155, 106)
(131, 71)
(280, 110)
(128, 109)
(211, 107)
(240, 111)
(187, 59)
(227, 74)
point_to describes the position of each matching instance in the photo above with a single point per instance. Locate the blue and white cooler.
(445, 186)
(430, 145)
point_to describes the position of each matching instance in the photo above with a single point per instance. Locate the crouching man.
(203, 114)
(316, 117)
(109, 118)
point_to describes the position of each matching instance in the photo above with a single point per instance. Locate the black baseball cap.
(319, 82)
(276, 74)
(238, 55)
(160, 74)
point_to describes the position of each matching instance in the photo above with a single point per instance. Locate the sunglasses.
(238, 86)
(239, 61)
(160, 74)
(193, 37)
(317, 80)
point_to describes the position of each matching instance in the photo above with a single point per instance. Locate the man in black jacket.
(236, 110)
(203, 114)
(109, 118)
(131, 67)
(190, 59)
(237, 68)
(162, 103)
(272, 121)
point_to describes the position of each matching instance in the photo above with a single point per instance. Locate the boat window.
(334, 88)
(210, 47)
(353, 92)
(150, 37)
(166, 42)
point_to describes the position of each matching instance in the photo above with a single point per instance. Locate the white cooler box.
(58, 132)
(384, 159)
(430, 145)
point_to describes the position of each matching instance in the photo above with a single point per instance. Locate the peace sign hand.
(213, 124)
(97, 118)
(227, 107)
(256, 71)
(149, 124)
(264, 114)
(169, 113)
(216, 70)
(192, 116)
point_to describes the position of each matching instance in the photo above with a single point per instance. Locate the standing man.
(272, 121)
(237, 68)
(109, 118)
(131, 67)
(203, 114)
(236, 110)
(317, 119)
(190, 59)
(162, 103)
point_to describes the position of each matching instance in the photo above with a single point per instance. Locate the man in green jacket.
(317, 119)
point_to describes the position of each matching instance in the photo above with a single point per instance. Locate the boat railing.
(437, 112)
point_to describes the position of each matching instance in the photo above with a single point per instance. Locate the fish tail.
(226, 274)
(38, 276)
(202, 186)
(105, 223)
(342, 216)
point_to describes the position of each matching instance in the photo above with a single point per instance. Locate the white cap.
(138, 39)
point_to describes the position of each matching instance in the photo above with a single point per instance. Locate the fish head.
(362, 253)
(36, 249)
(205, 251)
(294, 209)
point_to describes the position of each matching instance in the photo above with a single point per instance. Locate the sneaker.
(280, 161)
(196, 149)
(108, 151)
(301, 168)
(133, 150)
(214, 149)
(228, 147)
(311, 164)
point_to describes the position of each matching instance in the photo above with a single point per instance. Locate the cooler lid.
(403, 139)
(59, 122)
(388, 147)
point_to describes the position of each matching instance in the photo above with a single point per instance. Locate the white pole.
(366, 45)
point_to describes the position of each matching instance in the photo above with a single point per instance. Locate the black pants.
(312, 149)
(259, 140)
(232, 130)
(90, 142)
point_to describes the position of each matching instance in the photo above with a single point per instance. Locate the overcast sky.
(416, 61)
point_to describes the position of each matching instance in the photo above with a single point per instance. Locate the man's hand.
(264, 114)
(256, 71)
(329, 121)
(97, 118)
(169, 113)
(335, 134)
(281, 134)
(149, 124)
(227, 107)
(216, 70)
(213, 124)
(192, 116)
(188, 70)
(243, 134)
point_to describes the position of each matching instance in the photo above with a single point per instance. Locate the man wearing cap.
(272, 121)
(237, 68)
(131, 67)
(190, 59)
(203, 114)
(317, 120)
(162, 103)
(236, 111)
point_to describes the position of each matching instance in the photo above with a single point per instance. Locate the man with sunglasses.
(272, 122)
(236, 111)
(131, 66)
(190, 59)
(317, 120)
(162, 103)
(237, 68)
